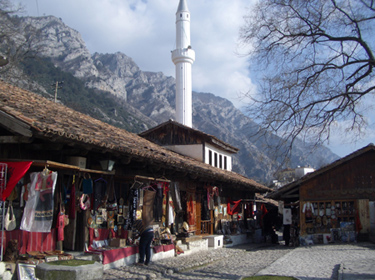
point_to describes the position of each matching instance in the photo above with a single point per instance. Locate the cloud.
(145, 31)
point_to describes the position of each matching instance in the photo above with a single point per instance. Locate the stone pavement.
(318, 262)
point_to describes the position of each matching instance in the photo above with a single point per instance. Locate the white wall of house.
(208, 154)
(194, 151)
(217, 157)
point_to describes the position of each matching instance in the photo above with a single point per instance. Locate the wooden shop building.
(95, 177)
(335, 203)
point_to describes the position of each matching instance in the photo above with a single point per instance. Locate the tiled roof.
(296, 184)
(207, 137)
(57, 122)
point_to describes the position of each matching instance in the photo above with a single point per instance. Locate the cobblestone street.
(306, 263)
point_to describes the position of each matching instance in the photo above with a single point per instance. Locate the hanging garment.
(72, 201)
(205, 213)
(170, 212)
(165, 195)
(10, 219)
(211, 193)
(60, 224)
(133, 203)
(233, 207)
(158, 203)
(308, 210)
(287, 216)
(175, 192)
(112, 199)
(191, 209)
(148, 207)
(38, 212)
(87, 186)
(100, 186)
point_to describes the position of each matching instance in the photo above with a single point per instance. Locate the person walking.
(146, 233)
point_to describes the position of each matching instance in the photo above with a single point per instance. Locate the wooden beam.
(14, 125)
(14, 139)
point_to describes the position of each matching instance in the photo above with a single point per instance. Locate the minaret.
(183, 57)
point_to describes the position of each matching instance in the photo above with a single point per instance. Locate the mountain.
(111, 87)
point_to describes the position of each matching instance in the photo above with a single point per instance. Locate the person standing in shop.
(146, 233)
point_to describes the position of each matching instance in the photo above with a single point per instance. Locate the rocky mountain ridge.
(152, 95)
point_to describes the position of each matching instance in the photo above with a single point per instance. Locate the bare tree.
(314, 62)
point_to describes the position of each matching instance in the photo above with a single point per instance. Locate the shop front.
(335, 201)
(89, 181)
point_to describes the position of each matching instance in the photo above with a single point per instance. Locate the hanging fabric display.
(72, 201)
(10, 219)
(148, 206)
(233, 206)
(191, 209)
(308, 210)
(249, 210)
(60, 223)
(175, 192)
(170, 212)
(158, 203)
(205, 212)
(112, 200)
(133, 206)
(165, 195)
(100, 186)
(87, 185)
(38, 212)
(211, 193)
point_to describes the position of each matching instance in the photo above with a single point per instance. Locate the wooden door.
(364, 215)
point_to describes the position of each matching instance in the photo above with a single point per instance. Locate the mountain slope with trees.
(112, 88)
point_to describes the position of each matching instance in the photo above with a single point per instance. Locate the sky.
(145, 31)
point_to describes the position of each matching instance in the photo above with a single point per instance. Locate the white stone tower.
(183, 57)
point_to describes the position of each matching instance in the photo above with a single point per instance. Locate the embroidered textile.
(38, 212)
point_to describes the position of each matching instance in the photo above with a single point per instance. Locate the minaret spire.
(183, 57)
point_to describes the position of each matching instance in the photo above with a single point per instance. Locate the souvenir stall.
(334, 201)
(111, 235)
(47, 213)
(28, 211)
(326, 221)
(229, 214)
(44, 205)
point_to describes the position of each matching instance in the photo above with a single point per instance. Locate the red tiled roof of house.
(56, 122)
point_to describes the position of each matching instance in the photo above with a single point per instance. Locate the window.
(225, 163)
(220, 161)
(210, 157)
(215, 159)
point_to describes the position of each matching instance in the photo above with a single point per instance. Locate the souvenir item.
(84, 202)
(87, 185)
(120, 219)
(325, 222)
(38, 212)
(10, 219)
(99, 220)
(91, 220)
(121, 202)
(185, 226)
(318, 220)
(111, 223)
